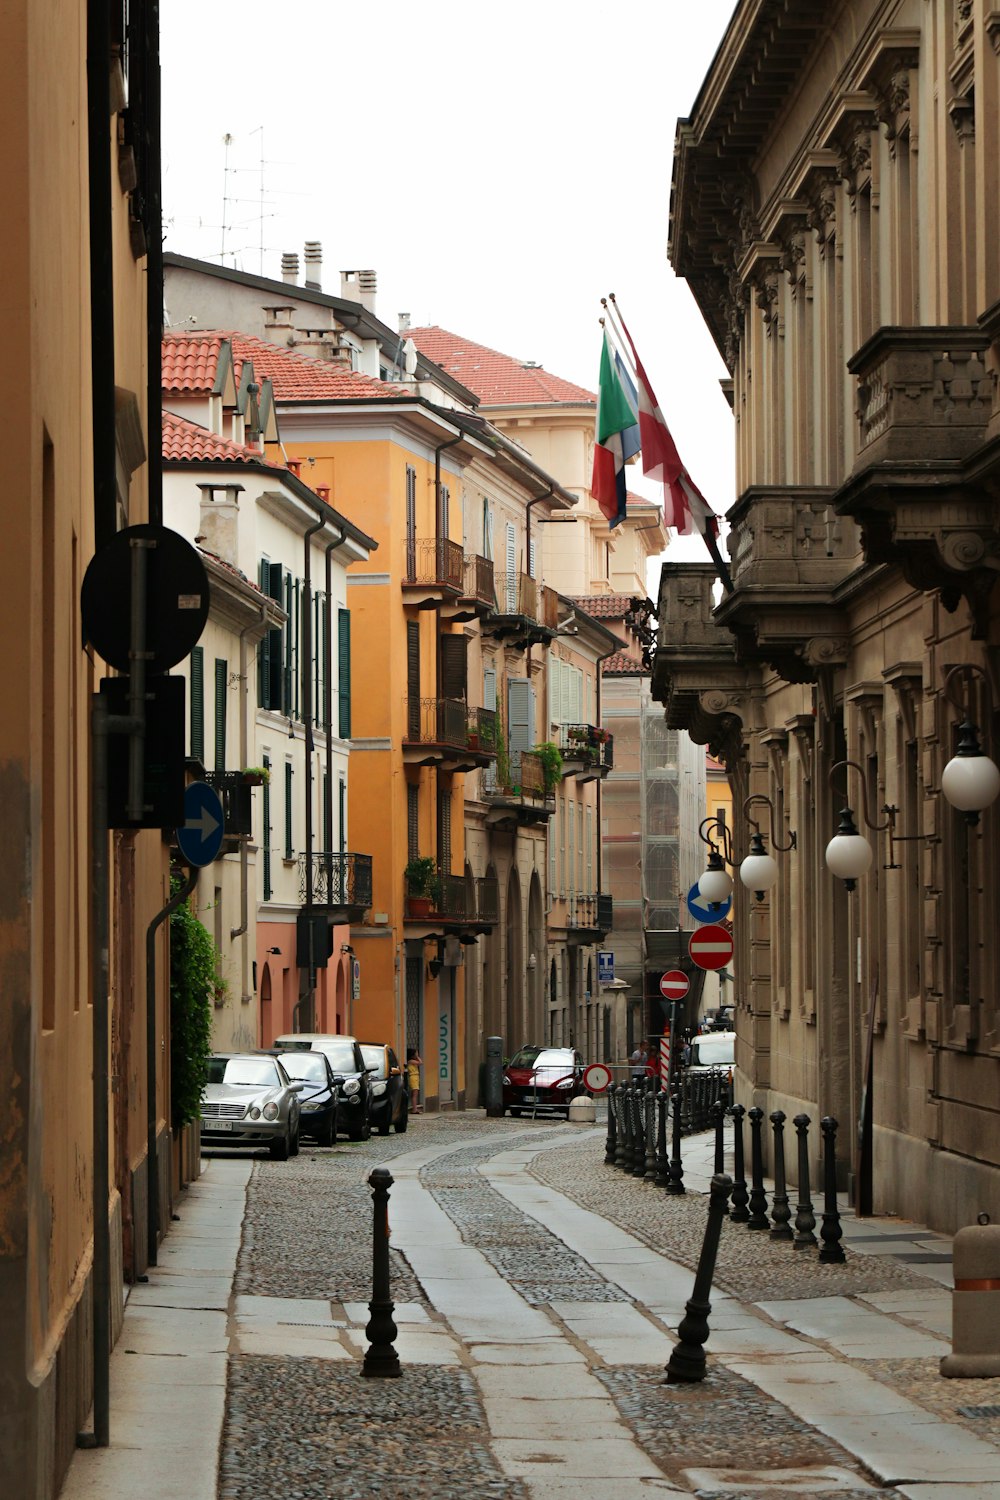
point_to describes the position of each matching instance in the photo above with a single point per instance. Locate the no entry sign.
(710, 947)
(674, 984)
(596, 1078)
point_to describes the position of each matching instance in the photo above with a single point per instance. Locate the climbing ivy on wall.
(193, 982)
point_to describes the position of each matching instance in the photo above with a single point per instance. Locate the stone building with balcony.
(853, 286)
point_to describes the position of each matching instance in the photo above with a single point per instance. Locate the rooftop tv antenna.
(227, 141)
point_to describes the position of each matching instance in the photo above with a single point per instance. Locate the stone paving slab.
(824, 1479)
(855, 1331)
(607, 1458)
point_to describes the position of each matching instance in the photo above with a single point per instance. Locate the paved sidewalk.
(537, 1296)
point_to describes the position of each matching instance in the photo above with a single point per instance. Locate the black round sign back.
(176, 598)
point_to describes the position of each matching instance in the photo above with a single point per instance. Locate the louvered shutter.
(533, 558)
(444, 830)
(264, 648)
(342, 812)
(589, 856)
(221, 686)
(412, 821)
(565, 694)
(412, 680)
(520, 718)
(276, 639)
(411, 522)
(454, 666)
(571, 851)
(289, 846)
(198, 703)
(577, 685)
(552, 836)
(553, 666)
(265, 842)
(511, 563)
(344, 673)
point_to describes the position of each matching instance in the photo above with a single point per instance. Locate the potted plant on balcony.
(256, 775)
(551, 760)
(422, 885)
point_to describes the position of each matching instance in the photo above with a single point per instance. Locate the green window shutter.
(198, 703)
(344, 673)
(266, 832)
(286, 687)
(289, 846)
(413, 679)
(221, 686)
(275, 638)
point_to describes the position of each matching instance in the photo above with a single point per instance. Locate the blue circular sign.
(704, 911)
(200, 837)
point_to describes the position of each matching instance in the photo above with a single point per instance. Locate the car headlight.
(270, 1111)
(377, 1089)
(255, 1112)
(565, 1083)
(506, 1080)
(352, 1086)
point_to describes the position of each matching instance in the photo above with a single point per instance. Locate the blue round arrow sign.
(200, 837)
(704, 911)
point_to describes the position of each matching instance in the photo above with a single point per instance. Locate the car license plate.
(219, 1124)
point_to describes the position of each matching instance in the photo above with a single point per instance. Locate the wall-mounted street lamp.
(759, 870)
(849, 854)
(715, 885)
(970, 781)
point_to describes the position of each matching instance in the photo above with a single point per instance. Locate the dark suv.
(350, 1073)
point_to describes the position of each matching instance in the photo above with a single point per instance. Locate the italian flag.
(617, 436)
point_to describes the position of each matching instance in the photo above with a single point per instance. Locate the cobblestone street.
(537, 1296)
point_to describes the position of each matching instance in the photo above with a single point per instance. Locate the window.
(487, 530)
(270, 652)
(197, 690)
(413, 679)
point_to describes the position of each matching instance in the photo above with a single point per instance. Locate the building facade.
(856, 307)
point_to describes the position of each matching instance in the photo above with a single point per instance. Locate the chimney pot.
(313, 256)
(323, 491)
(359, 286)
(290, 268)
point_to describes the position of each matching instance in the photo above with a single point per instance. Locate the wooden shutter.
(411, 522)
(198, 703)
(577, 683)
(454, 666)
(413, 679)
(551, 836)
(589, 856)
(571, 852)
(289, 846)
(221, 687)
(276, 654)
(511, 562)
(487, 529)
(342, 812)
(520, 718)
(444, 519)
(265, 843)
(344, 673)
(264, 648)
(533, 558)
(444, 829)
(489, 779)
(412, 821)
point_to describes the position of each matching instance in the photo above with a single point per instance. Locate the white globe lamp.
(716, 884)
(848, 855)
(970, 781)
(759, 870)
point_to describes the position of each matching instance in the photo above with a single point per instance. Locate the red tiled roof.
(190, 361)
(497, 379)
(604, 606)
(623, 665)
(186, 442)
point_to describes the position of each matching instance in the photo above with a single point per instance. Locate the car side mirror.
(372, 1069)
(297, 1086)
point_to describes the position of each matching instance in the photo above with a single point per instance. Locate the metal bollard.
(758, 1198)
(805, 1219)
(831, 1252)
(676, 1183)
(649, 1175)
(611, 1139)
(975, 1303)
(687, 1361)
(662, 1159)
(381, 1358)
(639, 1149)
(739, 1213)
(632, 1130)
(719, 1121)
(780, 1211)
(619, 1093)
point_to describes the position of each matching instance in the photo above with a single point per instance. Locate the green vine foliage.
(193, 983)
(503, 753)
(552, 763)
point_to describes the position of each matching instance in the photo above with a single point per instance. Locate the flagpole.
(618, 341)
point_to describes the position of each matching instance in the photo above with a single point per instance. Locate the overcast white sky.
(500, 168)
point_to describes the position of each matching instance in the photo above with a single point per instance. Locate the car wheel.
(363, 1131)
(516, 1114)
(279, 1149)
(404, 1119)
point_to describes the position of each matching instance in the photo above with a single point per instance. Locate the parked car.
(349, 1071)
(390, 1096)
(320, 1096)
(250, 1100)
(542, 1078)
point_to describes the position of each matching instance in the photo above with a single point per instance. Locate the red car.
(542, 1079)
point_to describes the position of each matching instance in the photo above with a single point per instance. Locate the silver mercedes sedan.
(250, 1101)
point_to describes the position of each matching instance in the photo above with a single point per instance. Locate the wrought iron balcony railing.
(452, 724)
(587, 746)
(435, 562)
(479, 583)
(462, 902)
(237, 802)
(342, 881)
(590, 913)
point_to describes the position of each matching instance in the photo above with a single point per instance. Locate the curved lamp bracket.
(775, 842)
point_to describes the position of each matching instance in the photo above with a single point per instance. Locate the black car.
(350, 1073)
(319, 1098)
(390, 1096)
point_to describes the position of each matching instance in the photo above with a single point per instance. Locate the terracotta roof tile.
(190, 361)
(497, 379)
(604, 606)
(186, 442)
(623, 665)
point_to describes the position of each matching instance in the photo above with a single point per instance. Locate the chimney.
(314, 265)
(404, 322)
(290, 268)
(218, 519)
(359, 286)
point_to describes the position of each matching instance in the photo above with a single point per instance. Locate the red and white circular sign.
(674, 984)
(596, 1078)
(710, 947)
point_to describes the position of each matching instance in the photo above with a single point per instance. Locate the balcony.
(478, 591)
(446, 733)
(237, 806)
(523, 798)
(587, 751)
(695, 672)
(589, 919)
(434, 573)
(526, 612)
(925, 471)
(457, 906)
(341, 884)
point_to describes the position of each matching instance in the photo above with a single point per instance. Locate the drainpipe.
(527, 553)
(236, 932)
(328, 718)
(307, 716)
(600, 779)
(154, 263)
(102, 303)
(437, 481)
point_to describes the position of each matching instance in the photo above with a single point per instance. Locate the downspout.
(236, 932)
(600, 780)
(328, 676)
(527, 555)
(102, 303)
(307, 716)
(437, 608)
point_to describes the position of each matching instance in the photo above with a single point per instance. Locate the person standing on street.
(413, 1061)
(637, 1062)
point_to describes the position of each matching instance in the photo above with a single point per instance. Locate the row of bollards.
(637, 1145)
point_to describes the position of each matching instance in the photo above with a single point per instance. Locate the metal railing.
(463, 900)
(593, 913)
(517, 594)
(435, 562)
(338, 880)
(699, 1092)
(237, 802)
(587, 744)
(451, 722)
(479, 583)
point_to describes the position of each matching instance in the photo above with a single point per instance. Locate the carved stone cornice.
(893, 56)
